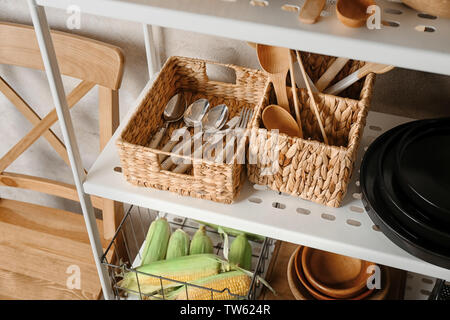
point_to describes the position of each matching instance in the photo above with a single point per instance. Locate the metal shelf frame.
(409, 48)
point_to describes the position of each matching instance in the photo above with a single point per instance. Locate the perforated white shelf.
(347, 230)
(275, 22)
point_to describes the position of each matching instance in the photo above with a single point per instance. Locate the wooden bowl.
(353, 13)
(335, 275)
(297, 289)
(439, 8)
(300, 292)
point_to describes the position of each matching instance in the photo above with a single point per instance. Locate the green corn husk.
(234, 232)
(201, 243)
(240, 253)
(178, 245)
(185, 269)
(156, 241)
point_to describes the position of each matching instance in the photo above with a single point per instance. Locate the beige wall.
(402, 92)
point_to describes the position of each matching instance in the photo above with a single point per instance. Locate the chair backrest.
(93, 62)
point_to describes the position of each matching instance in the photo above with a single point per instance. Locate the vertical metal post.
(152, 58)
(59, 97)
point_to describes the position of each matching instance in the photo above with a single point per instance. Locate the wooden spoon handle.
(313, 101)
(311, 10)
(294, 95)
(331, 73)
(279, 84)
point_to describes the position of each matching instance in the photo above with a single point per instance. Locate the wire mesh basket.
(124, 255)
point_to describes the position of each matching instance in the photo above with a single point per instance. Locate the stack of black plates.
(405, 182)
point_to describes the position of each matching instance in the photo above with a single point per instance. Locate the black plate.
(382, 216)
(391, 192)
(423, 167)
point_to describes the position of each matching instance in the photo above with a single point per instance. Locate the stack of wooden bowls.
(319, 275)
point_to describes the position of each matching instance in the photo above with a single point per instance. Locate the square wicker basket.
(307, 167)
(219, 182)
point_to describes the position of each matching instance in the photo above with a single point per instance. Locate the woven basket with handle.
(219, 182)
(307, 167)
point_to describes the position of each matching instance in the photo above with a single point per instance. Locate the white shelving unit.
(265, 21)
(347, 230)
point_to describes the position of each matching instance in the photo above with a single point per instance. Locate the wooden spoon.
(353, 13)
(273, 61)
(311, 10)
(276, 118)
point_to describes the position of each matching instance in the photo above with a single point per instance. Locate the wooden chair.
(38, 245)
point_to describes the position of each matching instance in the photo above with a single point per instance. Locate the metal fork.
(246, 115)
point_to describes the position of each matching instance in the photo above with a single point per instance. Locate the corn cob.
(185, 269)
(156, 241)
(178, 245)
(234, 232)
(240, 252)
(201, 243)
(237, 282)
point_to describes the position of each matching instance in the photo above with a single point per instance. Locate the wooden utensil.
(357, 75)
(335, 275)
(311, 96)
(294, 94)
(331, 73)
(273, 61)
(276, 118)
(311, 10)
(353, 13)
(439, 8)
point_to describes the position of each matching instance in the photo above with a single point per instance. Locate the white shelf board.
(401, 46)
(262, 218)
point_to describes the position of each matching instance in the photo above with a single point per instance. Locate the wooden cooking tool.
(273, 61)
(331, 73)
(276, 118)
(294, 94)
(440, 8)
(357, 75)
(335, 275)
(311, 10)
(353, 13)
(311, 96)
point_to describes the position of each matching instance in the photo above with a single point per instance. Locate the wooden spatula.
(311, 10)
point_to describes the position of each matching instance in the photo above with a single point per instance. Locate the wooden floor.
(37, 246)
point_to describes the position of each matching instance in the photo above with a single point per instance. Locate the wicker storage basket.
(308, 168)
(219, 182)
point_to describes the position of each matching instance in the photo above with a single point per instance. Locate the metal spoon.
(192, 117)
(172, 113)
(214, 120)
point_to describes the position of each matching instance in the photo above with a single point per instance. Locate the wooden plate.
(335, 275)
